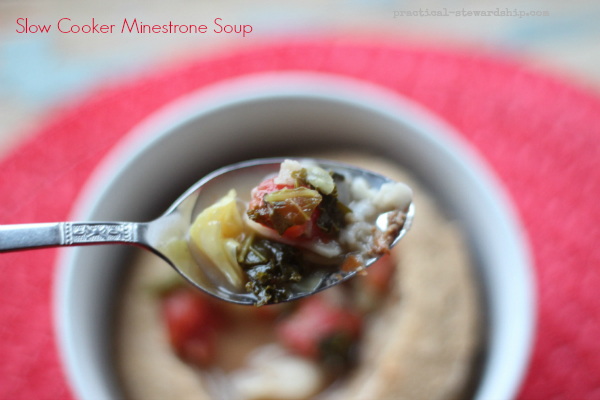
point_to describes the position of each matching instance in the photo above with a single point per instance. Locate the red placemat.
(541, 136)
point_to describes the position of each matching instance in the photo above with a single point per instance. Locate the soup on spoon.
(295, 231)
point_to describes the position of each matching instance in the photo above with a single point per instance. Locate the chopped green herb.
(332, 214)
(245, 247)
(300, 194)
(286, 208)
(270, 266)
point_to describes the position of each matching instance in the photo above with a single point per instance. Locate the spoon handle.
(32, 236)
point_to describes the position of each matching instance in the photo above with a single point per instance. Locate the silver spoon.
(167, 235)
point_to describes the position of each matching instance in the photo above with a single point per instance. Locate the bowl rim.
(269, 85)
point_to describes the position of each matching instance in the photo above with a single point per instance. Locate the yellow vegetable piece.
(179, 251)
(214, 233)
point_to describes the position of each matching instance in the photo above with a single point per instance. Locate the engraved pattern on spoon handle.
(96, 232)
(31, 236)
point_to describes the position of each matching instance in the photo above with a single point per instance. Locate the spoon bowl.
(168, 237)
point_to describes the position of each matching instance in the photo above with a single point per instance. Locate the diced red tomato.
(314, 321)
(264, 188)
(192, 322)
(308, 229)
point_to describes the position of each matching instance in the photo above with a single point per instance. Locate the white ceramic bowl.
(232, 121)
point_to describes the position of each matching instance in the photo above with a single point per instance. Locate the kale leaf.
(331, 215)
(270, 266)
(332, 212)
